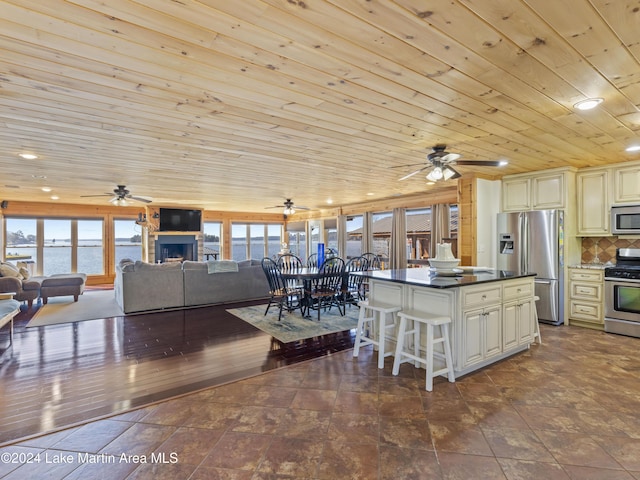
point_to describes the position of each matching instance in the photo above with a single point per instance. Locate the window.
(21, 245)
(128, 240)
(90, 247)
(255, 241)
(212, 242)
(50, 246)
(382, 234)
(418, 233)
(56, 252)
(354, 236)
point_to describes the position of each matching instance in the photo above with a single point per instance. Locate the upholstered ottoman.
(62, 284)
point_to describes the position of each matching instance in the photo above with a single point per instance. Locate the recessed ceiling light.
(633, 148)
(46, 189)
(329, 201)
(28, 156)
(588, 104)
(502, 163)
(55, 197)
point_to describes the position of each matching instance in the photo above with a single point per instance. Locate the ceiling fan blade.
(139, 199)
(99, 195)
(450, 157)
(405, 166)
(414, 173)
(482, 163)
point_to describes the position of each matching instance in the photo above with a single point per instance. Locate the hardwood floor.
(61, 375)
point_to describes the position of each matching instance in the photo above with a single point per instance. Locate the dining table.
(305, 275)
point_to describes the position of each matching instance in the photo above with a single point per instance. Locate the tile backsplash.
(603, 249)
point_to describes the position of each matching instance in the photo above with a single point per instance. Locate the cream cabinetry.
(476, 305)
(517, 314)
(549, 189)
(586, 298)
(482, 324)
(516, 194)
(626, 184)
(593, 202)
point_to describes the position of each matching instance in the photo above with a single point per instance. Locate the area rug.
(91, 305)
(293, 326)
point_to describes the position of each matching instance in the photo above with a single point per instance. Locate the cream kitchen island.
(492, 313)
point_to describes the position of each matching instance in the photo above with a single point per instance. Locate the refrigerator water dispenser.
(506, 243)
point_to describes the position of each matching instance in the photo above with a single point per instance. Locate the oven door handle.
(621, 280)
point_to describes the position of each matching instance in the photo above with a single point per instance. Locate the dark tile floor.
(567, 409)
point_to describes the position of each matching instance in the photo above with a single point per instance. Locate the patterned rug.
(293, 326)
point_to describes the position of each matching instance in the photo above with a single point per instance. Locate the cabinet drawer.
(590, 312)
(480, 297)
(514, 291)
(586, 275)
(586, 291)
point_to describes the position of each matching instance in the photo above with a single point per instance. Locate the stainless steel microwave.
(625, 220)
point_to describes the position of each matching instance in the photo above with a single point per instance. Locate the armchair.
(24, 290)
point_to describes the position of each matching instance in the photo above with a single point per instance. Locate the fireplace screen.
(176, 248)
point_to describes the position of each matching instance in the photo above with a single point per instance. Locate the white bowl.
(444, 264)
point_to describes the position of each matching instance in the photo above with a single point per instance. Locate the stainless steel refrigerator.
(533, 241)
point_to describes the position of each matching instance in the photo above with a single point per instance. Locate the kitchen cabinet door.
(473, 326)
(516, 194)
(493, 332)
(593, 203)
(549, 191)
(626, 184)
(510, 325)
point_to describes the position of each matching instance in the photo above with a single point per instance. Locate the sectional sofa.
(141, 286)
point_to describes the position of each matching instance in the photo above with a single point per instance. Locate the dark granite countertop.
(425, 277)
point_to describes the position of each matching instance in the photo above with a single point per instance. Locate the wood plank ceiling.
(237, 105)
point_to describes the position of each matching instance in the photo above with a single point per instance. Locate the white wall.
(488, 199)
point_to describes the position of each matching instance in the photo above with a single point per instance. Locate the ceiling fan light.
(448, 173)
(435, 174)
(120, 202)
(289, 210)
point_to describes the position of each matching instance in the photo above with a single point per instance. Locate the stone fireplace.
(175, 248)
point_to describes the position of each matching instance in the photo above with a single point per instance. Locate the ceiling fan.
(120, 196)
(441, 161)
(289, 207)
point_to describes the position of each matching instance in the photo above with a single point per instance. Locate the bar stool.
(403, 355)
(373, 326)
(536, 324)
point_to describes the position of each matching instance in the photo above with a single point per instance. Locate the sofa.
(141, 286)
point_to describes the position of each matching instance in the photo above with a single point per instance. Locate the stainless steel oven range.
(622, 294)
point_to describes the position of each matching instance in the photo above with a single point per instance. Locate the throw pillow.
(25, 273)
(9, 270)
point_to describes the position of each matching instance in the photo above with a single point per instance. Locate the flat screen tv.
(180, 220)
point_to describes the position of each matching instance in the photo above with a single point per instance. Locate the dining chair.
(312, 261)
(353, 285)
(291, 263)
(280, 293)
(325, 291)
(373, 260)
